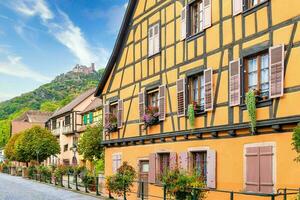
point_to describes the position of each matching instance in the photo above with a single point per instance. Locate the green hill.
(47, 97)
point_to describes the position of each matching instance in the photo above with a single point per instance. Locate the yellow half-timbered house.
(173, 57)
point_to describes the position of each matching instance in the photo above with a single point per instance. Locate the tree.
(90, 143)
(9, 150)
(36, 144)
(296, 141)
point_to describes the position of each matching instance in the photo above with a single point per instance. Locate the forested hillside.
(48, 97)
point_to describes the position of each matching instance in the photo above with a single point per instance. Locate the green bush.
(180, 185)
(296, 142)
(45, 172)
(251, 107)
(121, 183)
(32, 171)
(89, 180)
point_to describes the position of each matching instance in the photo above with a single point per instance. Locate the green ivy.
(251, 107)
(191, 114)
(296, 141)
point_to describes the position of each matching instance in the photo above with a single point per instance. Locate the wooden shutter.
(237, 6)
(207, 14)
(173, 160)
(252, 169)
(151, 41)
(266, 169)
(211, 168)
(141, 105)
(183, 161)
(91, 117)
(276, 71)
(208, 89)
(162, 102)
(183, 23)
(106, 114)
(181, 97)
(156, 39)
(120, 113)
(152, 168)
(234, 83)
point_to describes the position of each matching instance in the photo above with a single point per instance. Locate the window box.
(112, 125)
(151, 116)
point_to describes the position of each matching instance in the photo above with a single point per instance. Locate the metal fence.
(144, 190)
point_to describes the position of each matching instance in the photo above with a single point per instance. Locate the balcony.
(62, 130)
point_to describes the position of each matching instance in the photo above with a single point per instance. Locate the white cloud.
(12, 65)
(62, 29)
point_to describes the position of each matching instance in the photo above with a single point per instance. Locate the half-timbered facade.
(177, 56)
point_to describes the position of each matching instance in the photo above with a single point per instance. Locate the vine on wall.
(251, 107)
(191, 114)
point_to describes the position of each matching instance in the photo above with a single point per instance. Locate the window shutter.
(141, 105)
(120, 113)
(183, 161)
(207, 14)
(183, 23)
(162, 102)
(106, 114)
(152, 168)
(151, 41)
(208, 89)
(156, 39)
(91, 117)
(237, 6)
(173, 160)
(114, 163)
(252, 169)
(85, 119)
(276, 71)
(266, 169)
(181, 97)
(211, 168)
(234, 83)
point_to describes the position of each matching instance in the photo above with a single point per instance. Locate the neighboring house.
(92, 115)
(65, 123)
(28, 120)
(209, 54)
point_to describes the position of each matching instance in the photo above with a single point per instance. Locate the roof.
(69, 107)
(34, 116)
(118, 46)
(96, 103)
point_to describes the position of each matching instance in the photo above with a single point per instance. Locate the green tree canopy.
(9, 150)
(36, 144)
(90, 143)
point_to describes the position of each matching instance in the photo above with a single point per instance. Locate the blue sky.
(40, 39)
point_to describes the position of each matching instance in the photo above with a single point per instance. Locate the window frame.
(69, 120)
(152, 26)
(191, 18)
(245, 75)
(150, 92)
(192, 153)
(66, 147)
(189, 94)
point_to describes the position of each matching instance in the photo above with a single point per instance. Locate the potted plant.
(151, 116)
(112, 125)
(181, 185)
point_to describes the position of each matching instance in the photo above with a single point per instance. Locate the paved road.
(17, 188)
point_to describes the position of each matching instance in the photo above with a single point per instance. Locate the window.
(67, 120)
(257, 75)
(152, 98)
(117, 162)
(196, 91)
(196, 17)
(54, 124)
(75, 141)
(164, 162)
(199, 163)
(251, 3)
(113, 109)
(154, 40)
(259, 168)
(66, 147)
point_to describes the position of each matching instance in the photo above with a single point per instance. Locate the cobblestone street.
(17, 188)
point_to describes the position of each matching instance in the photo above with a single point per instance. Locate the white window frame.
(274, 164)
(155, 40)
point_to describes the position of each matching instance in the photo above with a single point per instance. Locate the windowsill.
(153, 55)
(194, 36)
(259, 104)
(254, 8)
